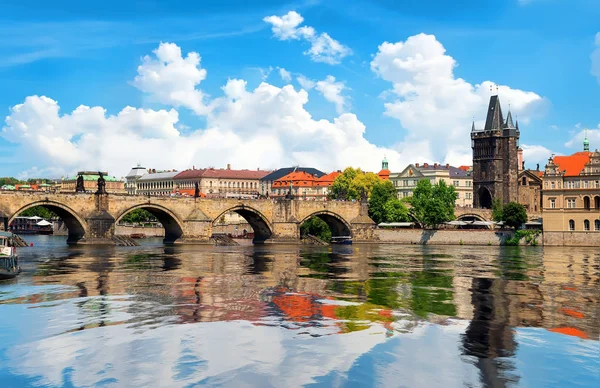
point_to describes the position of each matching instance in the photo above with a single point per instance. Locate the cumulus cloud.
(534, 154)
(172, 79)
(323, 47)
(306, 83)
(266, 127)
(434, 106)
(596, 58)
(332, 91)
(576, 142)
(285, 75)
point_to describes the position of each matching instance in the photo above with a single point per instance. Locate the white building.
(132, 178)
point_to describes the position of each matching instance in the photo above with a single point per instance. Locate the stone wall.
(122, 230)
(442, 237)
(573, 239)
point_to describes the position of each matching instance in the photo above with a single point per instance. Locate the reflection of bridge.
(90, 218)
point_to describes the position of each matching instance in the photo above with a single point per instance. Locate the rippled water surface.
(362, 315)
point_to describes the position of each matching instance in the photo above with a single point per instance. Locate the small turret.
(384, 164)
(586, 143)
(509, 121)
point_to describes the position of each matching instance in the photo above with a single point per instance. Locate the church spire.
(473, 126)
(586, 143)
(494, 120)
(509, 120)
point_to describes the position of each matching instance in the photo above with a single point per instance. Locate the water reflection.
(272, 316)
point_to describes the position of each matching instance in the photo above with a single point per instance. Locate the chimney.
(228, 166)
(447, 165)
(416, 164)
(435, 165)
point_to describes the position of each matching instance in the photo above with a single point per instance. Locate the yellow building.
(571, 199)
(90, 183)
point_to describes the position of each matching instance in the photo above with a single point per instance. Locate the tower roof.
(494, 120)
(586, 142)
(509, 120)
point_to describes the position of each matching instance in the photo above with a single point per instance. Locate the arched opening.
(475, 221)
(33, 218)
(485, 198)
(597, 225)
(571, 225)
(243, 223)
(171, 224)
(337, 225)
(597, 203)
(586, 203)
(586, 225)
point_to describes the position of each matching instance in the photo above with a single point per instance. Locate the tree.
(138, 216)
(514, 214)
(395, 211)
(353, 184)
(497, 210)
(315, 226)
(39, 211)
(433, 205)
(382, 192)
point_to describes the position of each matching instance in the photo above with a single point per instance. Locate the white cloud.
(434, 106)
(596, 58)
(534, 154)
(285, 75)
(306, 83)
(172, 79)
(576, 141)
(323, 47)
(267, 127)
(332, 91)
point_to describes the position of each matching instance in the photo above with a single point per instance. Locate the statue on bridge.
(79, 188)
(101, 184)
(196, 190)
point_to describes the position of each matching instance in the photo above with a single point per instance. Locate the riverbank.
(444, 237)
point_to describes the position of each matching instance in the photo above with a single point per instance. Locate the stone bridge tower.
(495, 158)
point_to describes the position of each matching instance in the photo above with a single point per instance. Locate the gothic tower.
(495, 158)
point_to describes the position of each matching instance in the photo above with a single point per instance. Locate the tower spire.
(586, 143)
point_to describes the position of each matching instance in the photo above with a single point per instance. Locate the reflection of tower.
(489, 334)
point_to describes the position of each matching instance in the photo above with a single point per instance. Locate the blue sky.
(80, 53)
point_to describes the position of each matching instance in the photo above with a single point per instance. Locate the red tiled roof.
(465, 168)
(384, 174)
(222, 174)
(572, 165)
(298, 179)
(327, 180)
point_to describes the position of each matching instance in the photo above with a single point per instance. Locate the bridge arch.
(76, 225)
(263, 229)
(336, 223)
(473, 217)
(172, 224)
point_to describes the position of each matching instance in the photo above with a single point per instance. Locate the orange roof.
(465, 168)
(298, 179)
(327, 180)
(572, 165)
(189, 192)
(384, 174)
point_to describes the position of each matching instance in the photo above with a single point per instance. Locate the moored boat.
(9, 265)
(346, 240)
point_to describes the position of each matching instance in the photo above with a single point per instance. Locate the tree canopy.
(384, 206)
(138, 216)
(514, 214)
(433, 205)
(315, 226)
(39, 211)
(353, 184)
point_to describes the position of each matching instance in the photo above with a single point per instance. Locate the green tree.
(9, 181)
(382, 192)
(315, 226)
(39, 211)
(138, 216)
(514, 214)
(433, 205)
(353, 184)
(497, 209)
(395, 211)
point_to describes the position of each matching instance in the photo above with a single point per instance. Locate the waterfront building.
(571, 195)
(156, 183)
(266, 182)
(384, 173)
(132, 178)
(303, 185)
(90, 183)
(495, 158)
(459, 177)
(530, 190)
(214, 182)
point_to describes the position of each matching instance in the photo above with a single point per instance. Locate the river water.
(286, 316)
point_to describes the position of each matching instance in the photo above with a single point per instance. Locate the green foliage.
(432, 292)
(382, 192)
(514, 214)
(9, 181)
(497, 214)
(433, 205)
(395, 211)
(530, 237)
(316, 227)
(39, 211)
(353, 184)
(138, 216)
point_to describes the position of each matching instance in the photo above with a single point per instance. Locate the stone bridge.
(471, 214)
(91, 218)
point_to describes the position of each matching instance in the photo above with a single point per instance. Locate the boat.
(9, 265)
(346, 240)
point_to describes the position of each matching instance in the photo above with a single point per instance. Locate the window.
(552, 203)
(469, 196)
(586, 203)
(597, 225)
(524, 182)
(571, 225)
(586, 225)
(552, 185)
(457, 195)
(469, 183)
(405, 183)
(571, 203)
(456, 183)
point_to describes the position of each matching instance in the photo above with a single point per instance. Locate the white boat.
(9, 265)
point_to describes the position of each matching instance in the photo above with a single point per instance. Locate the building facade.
(495, 158)
(155, 183)
(571, 193)
(530, 190)
(221, 182)
(459, 177)
(303, 185)
(266, 182)
(90, 183)
(132, 178)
